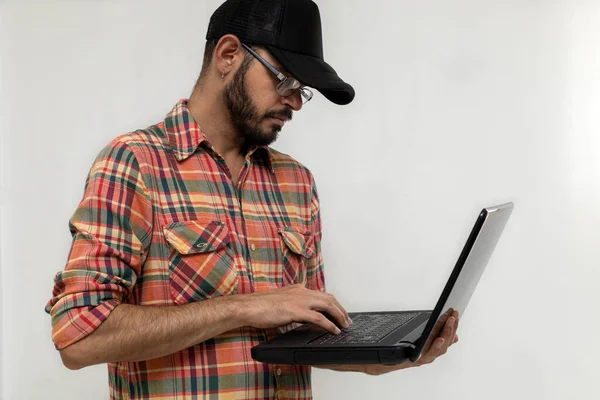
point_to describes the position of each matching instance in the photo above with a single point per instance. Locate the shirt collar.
(185, 136)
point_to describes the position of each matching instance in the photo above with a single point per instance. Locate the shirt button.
(253, 247)
(278, 371)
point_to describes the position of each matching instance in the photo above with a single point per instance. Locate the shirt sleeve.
(315, 273)
(111, 231)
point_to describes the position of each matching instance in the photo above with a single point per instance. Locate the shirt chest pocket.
(297, 247)
(201, 263)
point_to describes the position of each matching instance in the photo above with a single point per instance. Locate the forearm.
(343, 368)
(135, 333)
(369, 369)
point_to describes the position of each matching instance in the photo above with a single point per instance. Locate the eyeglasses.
(287, 85)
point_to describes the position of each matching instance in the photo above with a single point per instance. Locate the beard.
(245, 116)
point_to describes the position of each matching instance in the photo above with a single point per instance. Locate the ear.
(228, 54)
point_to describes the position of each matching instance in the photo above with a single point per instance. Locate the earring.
(223, 75)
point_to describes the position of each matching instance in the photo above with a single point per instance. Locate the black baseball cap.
(291, 31)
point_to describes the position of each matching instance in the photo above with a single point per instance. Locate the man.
(196, 241)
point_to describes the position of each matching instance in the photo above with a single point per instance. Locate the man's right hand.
(136, 333)
(295, 303)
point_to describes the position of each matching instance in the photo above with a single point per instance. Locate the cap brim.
(315, 73)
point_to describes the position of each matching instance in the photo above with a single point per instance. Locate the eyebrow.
(277, 65)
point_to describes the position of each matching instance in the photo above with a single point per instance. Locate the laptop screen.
(468, 270)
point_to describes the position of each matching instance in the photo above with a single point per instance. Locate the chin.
(264, 138)
(271, 133)
(268, 140)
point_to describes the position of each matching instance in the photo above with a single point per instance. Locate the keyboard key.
(367, 328)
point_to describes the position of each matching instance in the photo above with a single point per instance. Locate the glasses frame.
(287, 85)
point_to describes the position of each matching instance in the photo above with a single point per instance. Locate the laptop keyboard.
(367, 328)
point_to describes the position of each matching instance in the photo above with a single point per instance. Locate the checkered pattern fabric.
(161, 224)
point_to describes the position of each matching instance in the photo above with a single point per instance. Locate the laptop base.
(294, 348)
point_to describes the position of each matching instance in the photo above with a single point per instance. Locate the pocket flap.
(298, 241)
(192, 237)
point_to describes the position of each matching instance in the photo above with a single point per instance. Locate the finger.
(444, 317)
(457, 321)
(434, 351)
(455, 330)
(328, 304)
(318, 319)
(343, 310)
(439, 346)
(441, 323)
(329, 298)
(450, 329)
(438, 329)
(448, 335)
(446, 345)
(436, 347)
(446, 332)
(428, 344)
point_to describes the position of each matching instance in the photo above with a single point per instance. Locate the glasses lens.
(288, 86)
(307, 94)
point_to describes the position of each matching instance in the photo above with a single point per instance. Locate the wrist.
(223, 313)
(240, 312)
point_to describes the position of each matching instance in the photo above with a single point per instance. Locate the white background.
(460, 105)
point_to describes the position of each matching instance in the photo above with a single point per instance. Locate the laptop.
(398, 336)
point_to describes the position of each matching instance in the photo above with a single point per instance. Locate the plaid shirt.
(161, 224)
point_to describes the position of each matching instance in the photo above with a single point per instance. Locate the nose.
(294, 100)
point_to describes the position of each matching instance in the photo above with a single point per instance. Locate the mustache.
(285, 113)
